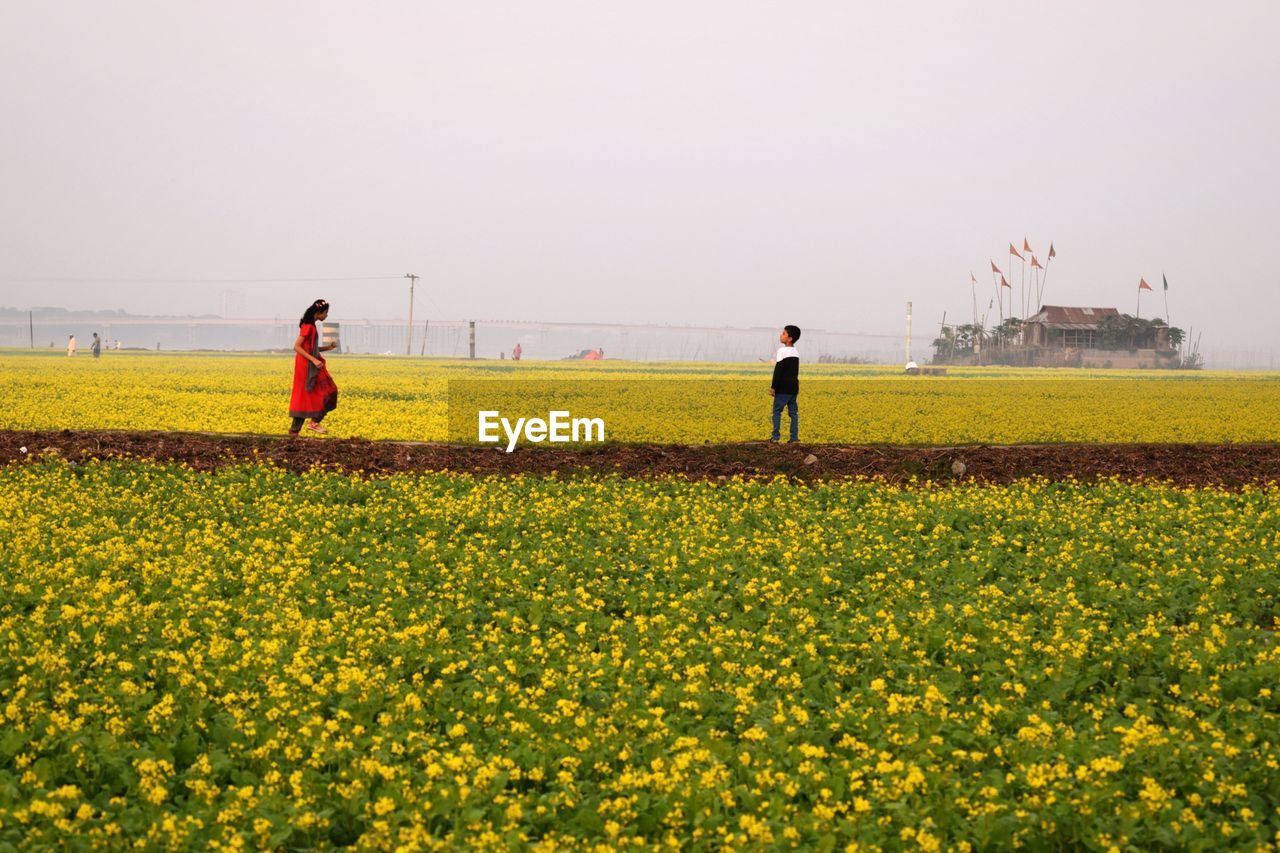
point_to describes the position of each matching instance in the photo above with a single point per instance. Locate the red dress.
(314, 391)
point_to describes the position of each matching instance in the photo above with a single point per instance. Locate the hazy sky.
(688, 162)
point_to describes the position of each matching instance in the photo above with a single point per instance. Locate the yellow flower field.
(434, 400)
(253, 658)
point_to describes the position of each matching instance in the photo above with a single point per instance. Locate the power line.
(45, 280)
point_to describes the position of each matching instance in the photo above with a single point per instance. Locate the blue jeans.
(787, 401)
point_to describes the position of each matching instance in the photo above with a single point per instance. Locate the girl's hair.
(309, 316)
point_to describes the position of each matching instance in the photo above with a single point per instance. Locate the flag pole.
(1021, 296)
(1022, 282)
(1023, 258)
(1047, 261)
(995, 282)
(973, 286)
(1012, 253)
(1138, 315)
(1165, 279)
(1004, 282)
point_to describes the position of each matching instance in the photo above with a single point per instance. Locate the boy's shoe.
(793, 441)
(773, 440)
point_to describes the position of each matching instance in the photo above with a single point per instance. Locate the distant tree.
(944, 345)
(957, 341)
(1126, 332)
(1007, 332)
(967, 337)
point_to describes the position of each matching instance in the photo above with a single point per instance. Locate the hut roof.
(1061, 317)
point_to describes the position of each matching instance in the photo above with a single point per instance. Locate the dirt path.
(1230, 465)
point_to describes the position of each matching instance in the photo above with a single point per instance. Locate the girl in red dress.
(314, 392)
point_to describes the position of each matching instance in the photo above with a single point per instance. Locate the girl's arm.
(297, 347)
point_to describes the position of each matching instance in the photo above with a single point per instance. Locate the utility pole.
(908, 331)
(31, 329)
(408, 343)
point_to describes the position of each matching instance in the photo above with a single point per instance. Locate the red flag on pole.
(1035, 262)
(973, 278)
(1142, 284)
(1014, 252)
(1026, 247)
(1052, 253)
(994, 268)
(1004, 283)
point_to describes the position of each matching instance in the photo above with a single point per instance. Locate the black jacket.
(786, 371)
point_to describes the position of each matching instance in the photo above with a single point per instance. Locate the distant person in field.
(96, 346)
(786, 383)
(71, 345)
(315, 394)
(515, 353)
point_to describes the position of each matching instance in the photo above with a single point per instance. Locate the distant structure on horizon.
(1064, 328)
(1068, 336)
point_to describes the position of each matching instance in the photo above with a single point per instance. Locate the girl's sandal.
(316, 428)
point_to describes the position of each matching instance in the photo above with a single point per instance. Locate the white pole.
(908, 332)
(408, 342)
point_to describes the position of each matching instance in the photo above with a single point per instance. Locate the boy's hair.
(793, 331)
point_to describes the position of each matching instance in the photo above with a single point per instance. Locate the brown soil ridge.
(1183, 464)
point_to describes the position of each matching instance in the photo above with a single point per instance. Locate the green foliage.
(1126, 332)
(307, 661)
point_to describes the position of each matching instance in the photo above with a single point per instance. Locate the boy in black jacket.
(786, 383)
